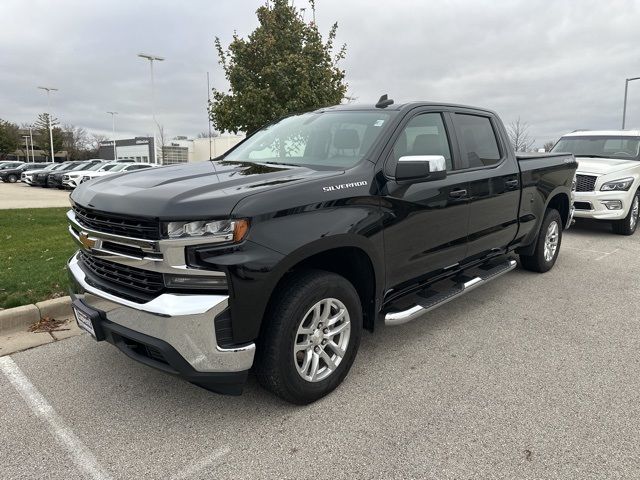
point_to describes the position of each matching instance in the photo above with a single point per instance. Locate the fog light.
(612, 204)
(217, 282)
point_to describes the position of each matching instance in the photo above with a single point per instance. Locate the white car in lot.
(608, 176)
(74, 177)
(112, 168)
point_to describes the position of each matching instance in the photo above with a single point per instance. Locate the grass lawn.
(34, 248)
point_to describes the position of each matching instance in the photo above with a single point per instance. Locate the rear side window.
(477, 140)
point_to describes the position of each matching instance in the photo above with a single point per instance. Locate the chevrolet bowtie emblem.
(86, 241)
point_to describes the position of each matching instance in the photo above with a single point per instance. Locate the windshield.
(95, 167)
(327, 139)
(108, 167)
(600, 146)
(118, 166)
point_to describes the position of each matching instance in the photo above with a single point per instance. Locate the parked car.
(119, 167)
(28, 176)
(276, 255)
(42, 179)
(608, 178)
(55, 178)
(72, 179)
(9, 164)
(12, 175)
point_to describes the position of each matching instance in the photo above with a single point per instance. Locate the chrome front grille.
(129, 282)
(125, 226)
(585, 183)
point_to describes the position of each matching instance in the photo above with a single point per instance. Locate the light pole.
(624, 108)
(113, 129)
(151, 59)
(26, 144)
(33, 157)
(49, 90)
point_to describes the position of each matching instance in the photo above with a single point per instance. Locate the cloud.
(558, 65)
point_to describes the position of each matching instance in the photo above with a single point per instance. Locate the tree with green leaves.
(9, 138)
(41, 134)
(283, 67)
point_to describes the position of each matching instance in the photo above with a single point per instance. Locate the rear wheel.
(547, 246)
(628, 225)
(310, 337)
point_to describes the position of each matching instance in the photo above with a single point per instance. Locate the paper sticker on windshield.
(378, 123)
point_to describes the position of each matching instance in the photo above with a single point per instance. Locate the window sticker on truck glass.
(378, 123)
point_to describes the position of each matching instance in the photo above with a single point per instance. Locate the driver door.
(426, 221)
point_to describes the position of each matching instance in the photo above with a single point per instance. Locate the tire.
(12, 178)
(299, 305)
(628, 225)
(542, 260)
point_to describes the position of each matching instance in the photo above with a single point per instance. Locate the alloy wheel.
(551, 241)
(322, 340)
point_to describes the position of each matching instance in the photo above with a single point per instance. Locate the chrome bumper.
(186, 322)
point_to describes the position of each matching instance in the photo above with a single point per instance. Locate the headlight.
(623, 184)
(216, 230)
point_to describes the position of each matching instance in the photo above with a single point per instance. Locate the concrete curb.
(19, 318)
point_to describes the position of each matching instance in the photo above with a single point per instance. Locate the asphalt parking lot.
(532, 376)
(21, 195)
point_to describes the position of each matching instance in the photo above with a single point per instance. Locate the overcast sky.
(559, 65)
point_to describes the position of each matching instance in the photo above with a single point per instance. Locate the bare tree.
(214, 134)
(162, 137)
(76, 142)
(93, 144)
(549, 145)
(518, 132)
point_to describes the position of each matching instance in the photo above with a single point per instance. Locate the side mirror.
(421, 168)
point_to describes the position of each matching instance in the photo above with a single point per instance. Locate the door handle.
(458, 193)
(511, 183)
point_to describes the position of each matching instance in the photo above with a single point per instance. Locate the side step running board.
(434, 300)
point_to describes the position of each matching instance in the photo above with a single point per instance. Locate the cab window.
(478, 141)
(425, 134)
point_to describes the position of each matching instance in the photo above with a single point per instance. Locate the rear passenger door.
(493, 182)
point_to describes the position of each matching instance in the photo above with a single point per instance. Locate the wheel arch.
(351, 257)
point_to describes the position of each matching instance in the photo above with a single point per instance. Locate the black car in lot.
(42, 179)
(12, 175)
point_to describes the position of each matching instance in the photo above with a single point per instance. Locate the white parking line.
(79, 453)
(607, 254)
(202, 464)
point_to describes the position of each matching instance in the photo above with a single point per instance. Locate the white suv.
(112, 168)
(608, 176)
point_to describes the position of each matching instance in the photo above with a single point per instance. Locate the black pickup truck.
(275, 256)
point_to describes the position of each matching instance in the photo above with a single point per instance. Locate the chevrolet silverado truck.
(608, 177)
(277, 255)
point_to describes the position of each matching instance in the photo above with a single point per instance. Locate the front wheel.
(310, 336)
(628, 225)
(12, 178)
(547, 245)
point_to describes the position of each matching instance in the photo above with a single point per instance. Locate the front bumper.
(179, 328)
(590, 205)
(71, 182)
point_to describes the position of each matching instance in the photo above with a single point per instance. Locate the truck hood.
(602, 166)
(197, 190)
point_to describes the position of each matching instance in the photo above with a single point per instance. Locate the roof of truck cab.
(400, 106)
(603, 133)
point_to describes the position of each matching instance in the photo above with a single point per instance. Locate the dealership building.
(175, 151)
(140, 149)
